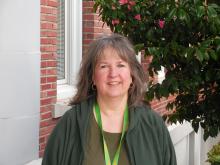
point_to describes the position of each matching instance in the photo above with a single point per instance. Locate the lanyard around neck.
(108, 161)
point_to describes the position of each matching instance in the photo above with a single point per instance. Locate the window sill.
(64, 94)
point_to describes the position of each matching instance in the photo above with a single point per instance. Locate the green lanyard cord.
(96, 109)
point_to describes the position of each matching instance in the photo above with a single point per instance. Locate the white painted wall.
(19, 81)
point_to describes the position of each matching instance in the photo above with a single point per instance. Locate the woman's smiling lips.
(113, 83)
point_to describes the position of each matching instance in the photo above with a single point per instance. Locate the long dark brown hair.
(125, 50)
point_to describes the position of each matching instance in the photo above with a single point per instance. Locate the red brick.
(43, 64)
(49, 18)
(100, 24)
(46, 56)
(52, 3)
(54, 85)
(88, 10)
(48, 25)
(89, 29)
(48, 33)
(46, 108)
(48, 10)
(51, 93)
(47, 101)
(88, 17)
(88, 4)
(49, 48)
(47, 115)
(43, 2)
(87, 41)
(52, 41)
(43, 72)
(51, 72)
(46, 87)
(99, 30)
(51, 63)
(88, 36)
(43, 94)
(43, 80)
(46, 130)
(88, 24)
(44, 123)
(42, 146)
(41, 153)
(51, 79)
(42, 140)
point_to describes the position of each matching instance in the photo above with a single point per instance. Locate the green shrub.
(214, 155)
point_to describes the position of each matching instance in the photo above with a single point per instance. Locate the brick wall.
(48, 69)
(92, 26)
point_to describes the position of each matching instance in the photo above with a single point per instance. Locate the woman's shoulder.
(78, 111)
(146, 113)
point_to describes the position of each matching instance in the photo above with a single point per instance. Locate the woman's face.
(112, 75)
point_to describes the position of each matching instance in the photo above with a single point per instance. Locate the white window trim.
(73, 49)
(67, 55)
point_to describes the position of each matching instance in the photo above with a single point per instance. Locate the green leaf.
(196, 1)
(213, 55)
(182, 14)
(164, 92)
(149, 95)
(195, 125)
(205, 135)
(172, 14)
(137, 8)
(213, 131)
(206, 43)
(138, 47)
(200, 10)
(153, 51)
(199, 55)
(212, 12)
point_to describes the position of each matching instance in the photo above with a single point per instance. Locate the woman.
(109, 123)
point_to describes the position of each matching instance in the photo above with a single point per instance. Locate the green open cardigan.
(147, 139)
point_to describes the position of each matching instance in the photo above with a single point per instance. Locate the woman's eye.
(121, 65)
(103, 66)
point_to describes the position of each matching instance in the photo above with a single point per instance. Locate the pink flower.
(161, 23)
(122, 2)
(129, 7)
(115, 21)
(132, 3)
(138, 17)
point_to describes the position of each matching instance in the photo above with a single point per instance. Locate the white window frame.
(73, 50)
(64, 81)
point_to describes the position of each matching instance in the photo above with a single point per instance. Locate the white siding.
(19, 81)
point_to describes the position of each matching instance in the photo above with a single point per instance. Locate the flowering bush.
(183, 36)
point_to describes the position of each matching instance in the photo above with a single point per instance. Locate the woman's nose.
(113, 72)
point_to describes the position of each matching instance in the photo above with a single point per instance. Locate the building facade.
(41, 46)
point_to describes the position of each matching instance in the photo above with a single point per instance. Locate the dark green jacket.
(147, 139)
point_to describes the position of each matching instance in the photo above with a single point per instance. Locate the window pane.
(61, 40)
